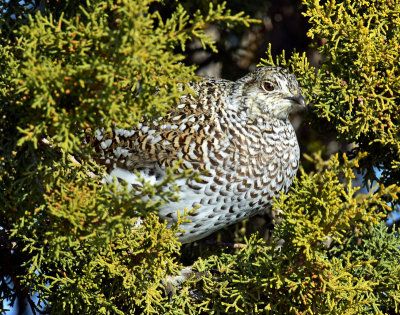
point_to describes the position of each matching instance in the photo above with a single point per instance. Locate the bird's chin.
(282, 110)
(282, 115)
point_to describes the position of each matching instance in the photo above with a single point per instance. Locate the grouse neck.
(260, 120)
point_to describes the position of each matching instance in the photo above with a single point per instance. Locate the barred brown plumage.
(238, 132)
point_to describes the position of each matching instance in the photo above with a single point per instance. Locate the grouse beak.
(299, 99)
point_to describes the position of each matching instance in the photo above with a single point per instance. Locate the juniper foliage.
(69, 68)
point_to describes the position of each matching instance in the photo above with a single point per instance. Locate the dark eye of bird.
(268, 86)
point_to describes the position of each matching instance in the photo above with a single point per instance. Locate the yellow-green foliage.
(356, 89)
(77, 244)
(305, 274)
(100, 67)
(86, 253)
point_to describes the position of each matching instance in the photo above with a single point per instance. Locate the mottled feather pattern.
(238, 132)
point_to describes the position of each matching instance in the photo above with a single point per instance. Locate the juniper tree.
(69, 68)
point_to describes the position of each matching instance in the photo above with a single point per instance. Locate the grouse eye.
(268, 86)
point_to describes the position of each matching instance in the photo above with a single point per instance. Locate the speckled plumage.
(238, 131)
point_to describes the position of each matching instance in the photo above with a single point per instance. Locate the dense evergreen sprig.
(356, 87)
